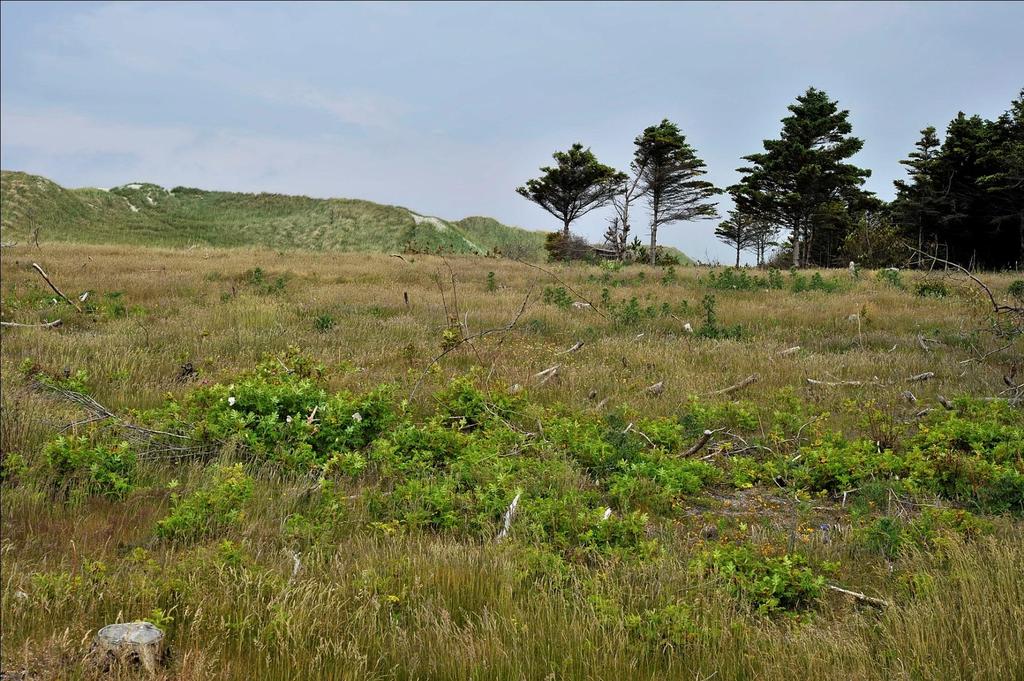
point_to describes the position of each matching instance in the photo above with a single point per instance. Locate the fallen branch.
(752, 378)
(656, 389)
(98, 412)
(574, 348)
(509, 515)
(547, 374)
(922, 376)
(789, 351)
(48, 325)
(465, 339)
(632, 428)
(863, 598)
(55, 289)
(699, 444)
(833, 384)
(996, 307)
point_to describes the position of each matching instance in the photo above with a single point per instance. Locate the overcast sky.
(446, 108)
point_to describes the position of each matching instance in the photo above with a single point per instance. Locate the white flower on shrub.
(357, 417)
(231, 401)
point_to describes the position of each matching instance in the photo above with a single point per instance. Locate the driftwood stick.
(863, 598)
(814, 381)
(922, 377)
(752, 378)
(576, 346)
(699, 444)
(547, 374)
(656, 389)
(510, 513)
(789, 351)
(55, 289)
(48, 325)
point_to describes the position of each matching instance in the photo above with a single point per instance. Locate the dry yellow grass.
(378, 606)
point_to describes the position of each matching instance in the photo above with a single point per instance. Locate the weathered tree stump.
(129, 643)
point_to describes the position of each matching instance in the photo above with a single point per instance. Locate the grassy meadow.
(288, 484)
(145, 214)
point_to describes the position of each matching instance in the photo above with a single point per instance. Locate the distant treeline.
(963, 199)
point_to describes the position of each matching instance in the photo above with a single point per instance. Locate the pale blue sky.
(446, 108)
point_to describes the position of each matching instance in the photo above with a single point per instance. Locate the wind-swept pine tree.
(739, 232)
(670, 174)
(918, 198)
(576, 185)
(801, 181)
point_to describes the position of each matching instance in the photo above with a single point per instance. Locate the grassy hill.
(147, 214)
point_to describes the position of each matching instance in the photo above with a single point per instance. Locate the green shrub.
(262, 283)
(974, 455)
(323, 322)
(566, 248)
(800, 283)
(557, 295)
(665, 628)
(213, 508)
(74, 464)
(1016, 289)
(733, 279)
(770, 584)
(710, 328)
(890, 277)
(931, 289)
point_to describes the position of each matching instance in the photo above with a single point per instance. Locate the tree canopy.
(802, 182)
(574, 186)
(670, 173)
(964, 198)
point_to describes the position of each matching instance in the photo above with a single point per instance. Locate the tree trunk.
(565, 227)
(796, 249)
(653, 255)
(737, 255)
(1020, 254)
(623, 230)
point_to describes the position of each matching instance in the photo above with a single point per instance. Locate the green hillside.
(147, 214)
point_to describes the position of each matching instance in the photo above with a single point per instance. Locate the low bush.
(931, 289)
(216, 506)
(75, 465)
(769, 584)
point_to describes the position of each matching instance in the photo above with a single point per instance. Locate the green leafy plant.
(212, 508)
(323, 322)
(770, 584)
(931, 289)
(558, 296)
(76, 464)
(711, 329)
(891, 277)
